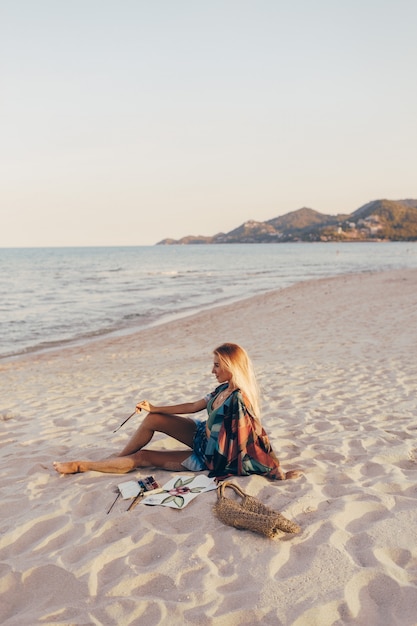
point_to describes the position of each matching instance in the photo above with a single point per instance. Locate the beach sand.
(336, 361)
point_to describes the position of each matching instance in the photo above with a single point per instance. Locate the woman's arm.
(187, 407)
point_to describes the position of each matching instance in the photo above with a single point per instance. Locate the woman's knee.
(154, 421)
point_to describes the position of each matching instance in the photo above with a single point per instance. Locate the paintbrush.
(126, 420)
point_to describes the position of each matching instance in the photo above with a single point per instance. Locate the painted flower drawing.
(179, 490)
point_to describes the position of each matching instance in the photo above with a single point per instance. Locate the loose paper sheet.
(179, 491)
(129, 489)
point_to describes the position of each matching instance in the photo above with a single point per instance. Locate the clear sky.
(127, 121)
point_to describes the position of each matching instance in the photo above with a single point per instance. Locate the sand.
(336, 360)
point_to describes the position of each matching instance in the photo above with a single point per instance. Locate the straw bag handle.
(236, 488)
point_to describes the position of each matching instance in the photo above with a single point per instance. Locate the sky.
(124, 122)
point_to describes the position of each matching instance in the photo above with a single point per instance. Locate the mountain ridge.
(378, 220)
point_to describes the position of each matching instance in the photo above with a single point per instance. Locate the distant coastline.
(379, 220)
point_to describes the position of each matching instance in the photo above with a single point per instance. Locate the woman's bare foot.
(73, 467)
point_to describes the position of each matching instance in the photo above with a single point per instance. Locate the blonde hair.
(236, 360)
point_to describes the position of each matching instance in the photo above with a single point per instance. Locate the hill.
(386, 220)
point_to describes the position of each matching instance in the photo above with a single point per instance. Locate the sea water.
(55, 296)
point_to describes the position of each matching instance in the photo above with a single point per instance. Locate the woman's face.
(221, 373)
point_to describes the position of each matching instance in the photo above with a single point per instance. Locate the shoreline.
(84, 341)
(57, 313)
(335, 359)
(122, 333)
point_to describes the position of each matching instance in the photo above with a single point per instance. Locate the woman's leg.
(168, 460)
(132, 456)
(180, 428)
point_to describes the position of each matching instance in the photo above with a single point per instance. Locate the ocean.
(57, 296)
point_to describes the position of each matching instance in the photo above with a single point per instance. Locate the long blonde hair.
(236, 360)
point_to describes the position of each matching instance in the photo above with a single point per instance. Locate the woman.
(231, 441)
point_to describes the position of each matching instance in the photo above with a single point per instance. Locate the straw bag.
(250, 514)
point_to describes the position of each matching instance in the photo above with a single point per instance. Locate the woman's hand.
(145, 406)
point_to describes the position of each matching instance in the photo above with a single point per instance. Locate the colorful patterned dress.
(238, 444)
